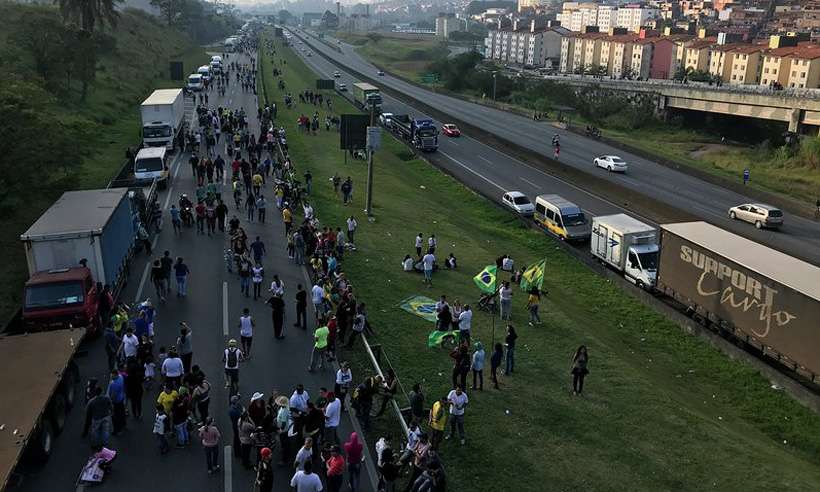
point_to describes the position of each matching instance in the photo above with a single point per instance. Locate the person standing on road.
(202, 398)
(258, 249)
(157, 278)
(298, 247)
(261, 208)
(167, 264)
(264, 471)
(318, 296)
(116, 392)
(301, 307)
(578, 369)
(458, 403)
(305, 480)
(246, 326)
(257, 275)
(277, 310)
(161, 427)
(335, 464)
(319, 347)
(505, 293)
(182, 273)
(134, 386)
(333, 413)
(185, 347)
(98, 420)
(344, 378)
(210, 443)
(354, 452)
(173, 368)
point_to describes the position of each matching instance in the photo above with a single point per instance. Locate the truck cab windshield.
(147, 165)
(50, 295)
(156, 131)
(649, 261)
(427, 132)
(571, 220)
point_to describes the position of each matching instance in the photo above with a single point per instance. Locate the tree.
(284, 17)
(90, 14)
(374, 37)
(43, 36)
(169, 9)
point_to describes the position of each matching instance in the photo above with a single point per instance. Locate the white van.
(561, 217)
(195, 82)
(205, 71)
(152, 163)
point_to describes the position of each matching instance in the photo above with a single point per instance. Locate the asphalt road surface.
(212, 310)
(799, 236)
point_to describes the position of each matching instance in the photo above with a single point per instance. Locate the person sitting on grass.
(407, 263)
(450, 262)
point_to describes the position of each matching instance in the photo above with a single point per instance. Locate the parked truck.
(420, 132)
(763, 297)
(362, 91)
(163, 118)
(627, 245)
(85, 237)
(40, 388)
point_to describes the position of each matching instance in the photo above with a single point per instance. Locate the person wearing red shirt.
(200, 217)
(354, 450)
(335, 470)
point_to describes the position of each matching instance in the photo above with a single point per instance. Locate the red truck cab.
(55, 299)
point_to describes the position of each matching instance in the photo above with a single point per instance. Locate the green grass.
(125, 77)
(662, 410)
(404, 56)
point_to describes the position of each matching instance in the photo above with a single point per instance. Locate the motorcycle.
(593, 132)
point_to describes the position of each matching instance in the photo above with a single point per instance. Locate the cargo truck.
(763, 297)
(163, 118)
(85, 237)
(40, 388)
(627, 245)
(362, 91)
(420, 132)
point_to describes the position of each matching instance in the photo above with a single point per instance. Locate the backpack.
(232, 358)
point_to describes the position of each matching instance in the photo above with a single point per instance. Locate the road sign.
(353, 131)
(328, 84)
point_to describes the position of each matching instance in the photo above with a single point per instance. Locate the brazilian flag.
(485, 280)
(533, 276)
(435, 338)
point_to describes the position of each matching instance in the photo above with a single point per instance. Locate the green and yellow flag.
(485, 280)
(435, 338)
(533, 276)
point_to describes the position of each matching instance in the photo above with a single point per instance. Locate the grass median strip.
(661, 410)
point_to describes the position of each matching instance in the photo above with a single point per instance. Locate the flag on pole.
(533, 276)
(485, 280)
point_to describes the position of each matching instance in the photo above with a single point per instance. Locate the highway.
(212, 310)
(500, 172)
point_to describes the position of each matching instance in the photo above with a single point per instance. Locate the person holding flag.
(485, 280)
(533, 277)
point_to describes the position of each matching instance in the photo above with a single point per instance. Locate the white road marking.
(228, 459)
(225, 308)
(488, 161)
(138, 297)
(472, 171)
(528, 182)
(168, 198)
(452, 143)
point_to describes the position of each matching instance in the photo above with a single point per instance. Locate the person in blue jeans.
(509, 340)
(181, 271)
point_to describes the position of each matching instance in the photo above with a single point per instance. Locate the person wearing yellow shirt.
(320, 337)
(287, 217)
(258, 181)
(167, 398)
(438, 420)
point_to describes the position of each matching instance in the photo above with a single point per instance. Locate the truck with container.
(363, 93)
(764, 298)
(163, 118)
(627, 245)
(420, 132)
(84, 238)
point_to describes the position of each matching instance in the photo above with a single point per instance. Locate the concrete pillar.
(794, 121)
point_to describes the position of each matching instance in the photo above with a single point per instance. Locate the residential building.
(804, 68)
(721, 59)
(568, 46)
(635, 17)
(641, 59)
(526, 44)
(531, 4)
(696, 54)
(746, 65)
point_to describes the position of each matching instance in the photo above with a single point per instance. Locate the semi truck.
(420, 132)
(627, 245)
(85, 237)
(40, 387)
(362, 91)
(163, 118)
(765, 298)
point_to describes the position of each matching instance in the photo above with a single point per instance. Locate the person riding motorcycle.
(185, 207)
(555, 140)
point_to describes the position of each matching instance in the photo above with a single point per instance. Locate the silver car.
(759, 214)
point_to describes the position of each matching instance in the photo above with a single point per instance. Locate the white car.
(337, 74)
(385, 119)
(611, 163)
(342, 87)
(380, 73)
(518, 202)
(759, 214)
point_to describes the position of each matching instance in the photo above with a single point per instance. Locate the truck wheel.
(57, 412)
(640, 285)
(69, 385)
(39, 448)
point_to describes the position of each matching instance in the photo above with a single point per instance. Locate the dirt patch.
(703, 150)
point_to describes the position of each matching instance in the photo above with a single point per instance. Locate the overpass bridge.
(798, 108)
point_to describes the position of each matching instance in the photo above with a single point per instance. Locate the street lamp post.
(494, 75)
(370, 151)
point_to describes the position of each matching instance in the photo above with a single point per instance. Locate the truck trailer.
(362, 91)
(163, 118)
(763, 297)
(420, 132)
(627, 245)
(85, 237)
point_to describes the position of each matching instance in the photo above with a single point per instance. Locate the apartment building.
(641, 60)
(526, 44)
(721, 58)
(804, 68)
(568, 45)
(576, 16)
(697, 54)
(746, 66)
(776, 65)
(635, 17)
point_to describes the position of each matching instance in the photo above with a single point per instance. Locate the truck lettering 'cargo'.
(767, 297)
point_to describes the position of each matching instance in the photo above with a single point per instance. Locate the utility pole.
(368, 208)
(494, 74)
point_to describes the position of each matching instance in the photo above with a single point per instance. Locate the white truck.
(627, 245)
(163, 118)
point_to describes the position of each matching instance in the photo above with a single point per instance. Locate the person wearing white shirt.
(333, 412)
(130, 342)
(419, 243)
(308, 211)
(305, 480)
(458, 402)
(505, 293)
(407, 264)
(299, 399)
(431, 244)
(317, 294)
(246, 325)
(172, 368)
(352, 225)
(465, 321)
(441, 303)
(429, 261)
(277, 287)
(507, 264)
(344, 378)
